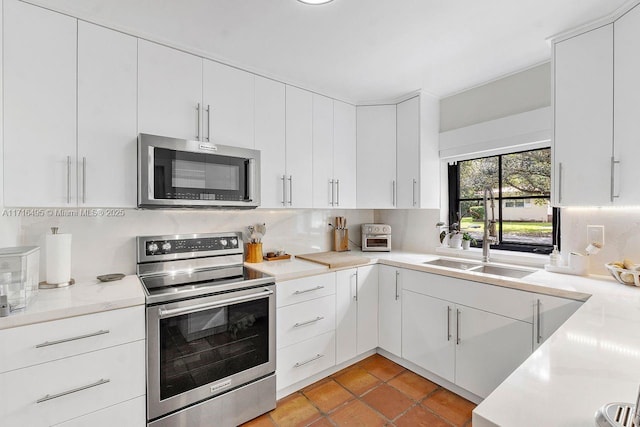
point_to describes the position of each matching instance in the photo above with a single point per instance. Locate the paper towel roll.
(58, 258)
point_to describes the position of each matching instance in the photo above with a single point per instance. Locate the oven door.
(376, 242)
(203, 347)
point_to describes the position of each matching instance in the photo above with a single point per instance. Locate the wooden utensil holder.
(254, 252)
(341, 240)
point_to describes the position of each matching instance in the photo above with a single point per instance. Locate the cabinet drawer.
(302, 360)
(294, 291)
(495, 299)
(54, 340)
(126, 414)
(50, 393)
(302, 321)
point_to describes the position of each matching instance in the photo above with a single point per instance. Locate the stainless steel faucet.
(490, 233)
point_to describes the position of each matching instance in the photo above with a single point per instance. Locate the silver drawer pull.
(75, 390)
(79, 337)
(316, 357)
(317, 288)
(308, 322)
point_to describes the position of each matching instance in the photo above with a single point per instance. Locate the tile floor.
(373, 392)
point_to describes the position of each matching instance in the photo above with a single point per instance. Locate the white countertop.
(81, 298)
(591, 360)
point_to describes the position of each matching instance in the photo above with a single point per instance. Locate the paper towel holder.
(47, 285)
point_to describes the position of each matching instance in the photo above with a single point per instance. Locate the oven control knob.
(152, 247)
(234, 243)
(386, 229)
(223, 242)
(166, 246)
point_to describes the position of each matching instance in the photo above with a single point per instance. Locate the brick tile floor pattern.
(373, 392)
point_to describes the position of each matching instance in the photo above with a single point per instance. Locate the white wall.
(412, 230)
(107, 245)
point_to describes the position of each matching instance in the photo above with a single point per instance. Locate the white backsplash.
(104, 245)
(412, 230)
(621, 229)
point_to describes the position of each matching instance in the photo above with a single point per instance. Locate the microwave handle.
(251, 178)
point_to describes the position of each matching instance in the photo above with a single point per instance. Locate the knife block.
(254, 252)
(341, 240)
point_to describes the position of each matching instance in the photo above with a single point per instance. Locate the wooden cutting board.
(334, 259)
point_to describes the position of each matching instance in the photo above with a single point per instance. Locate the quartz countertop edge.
(84, 297)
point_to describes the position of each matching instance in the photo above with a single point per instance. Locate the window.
(521, 185)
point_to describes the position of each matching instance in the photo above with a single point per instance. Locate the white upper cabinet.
(408, 153)
(39, 106)
(270, 140)
(228, 103)
(299, 152)
(344, 154)
(169, 92)
(583, 109)
(376, 165)
(626, 147)
(107, 128)
(323, 182)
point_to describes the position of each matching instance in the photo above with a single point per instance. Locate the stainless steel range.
(210, 331)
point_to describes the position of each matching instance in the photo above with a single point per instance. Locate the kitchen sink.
(496, 270)
(460, 265)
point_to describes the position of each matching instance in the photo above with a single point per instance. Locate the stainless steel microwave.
(177, 173)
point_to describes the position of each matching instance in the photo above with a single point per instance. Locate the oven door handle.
(163, 314)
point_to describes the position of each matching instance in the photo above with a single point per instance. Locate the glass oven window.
(203, 347)
(377, 242)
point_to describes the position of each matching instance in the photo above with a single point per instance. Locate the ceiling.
(356, 50)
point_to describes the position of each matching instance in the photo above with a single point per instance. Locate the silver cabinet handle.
(614, 162)
(538, 323)
(79, 337)
(355, 296)
(284, 190)
(208, 122)
(316, 357)
(559, 182)
(75, 390)
(397, 275)
(457, 326)
(198, 116)
(337, 192)
(308, 290)
(163, 314)
(393, 192)
(448, 323)
(308, 322)
(84, 180)
(413, 192)
(68, 179)
(290, 190)
(331, 183)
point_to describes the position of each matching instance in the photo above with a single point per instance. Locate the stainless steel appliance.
(210, 331)
(376, 238)
(179, 173)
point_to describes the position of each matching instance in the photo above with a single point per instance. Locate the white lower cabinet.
(126, 414)
(550, 314)
(305, 359)
(298, 322)
(390, 309)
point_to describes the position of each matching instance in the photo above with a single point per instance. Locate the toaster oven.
(376, 238)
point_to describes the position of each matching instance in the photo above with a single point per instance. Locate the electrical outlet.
(595, 235)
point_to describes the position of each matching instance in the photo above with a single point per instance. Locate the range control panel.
(376, 229)
(179, 245)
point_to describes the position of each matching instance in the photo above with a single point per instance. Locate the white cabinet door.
(344, 154)
(227, 96)
(169, 92)
(367, 296)
(270, 140)
(107, 128)
(627, 107)
(550, 314)
(39, 106)
(584, 118)
(346, 314)
(489, 348)
(376, 165)
(408, 153)
(299, 322)
(390, 309)
(323, 181)
(428, 333)
(299, 152)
